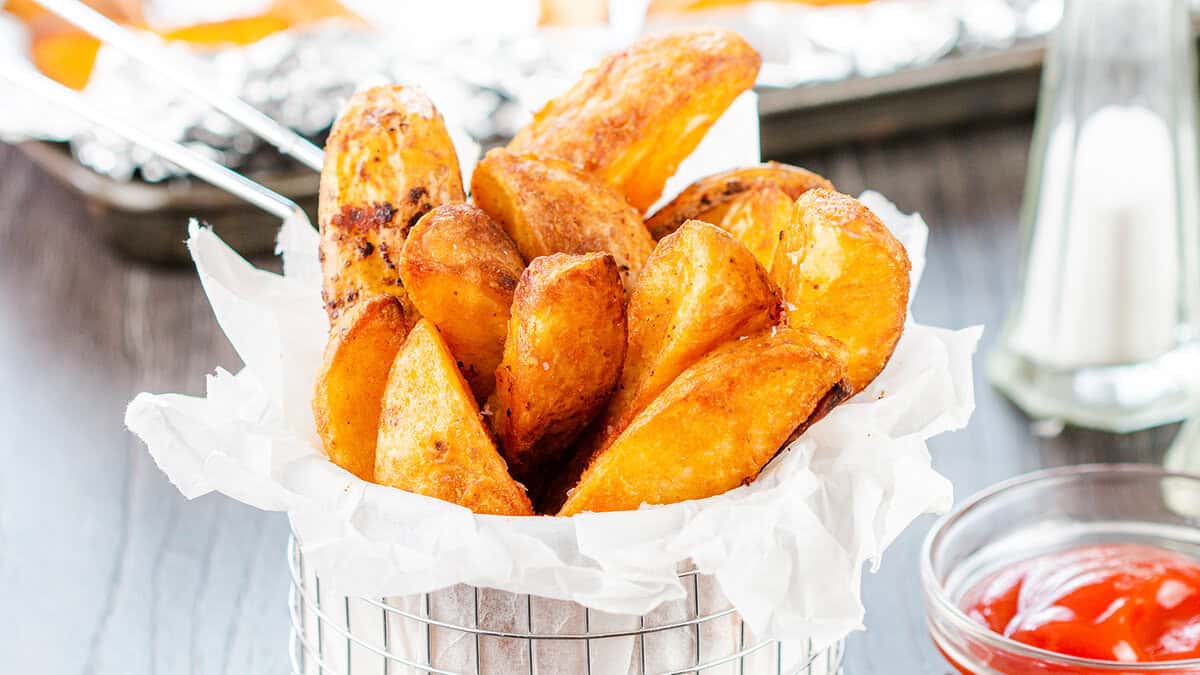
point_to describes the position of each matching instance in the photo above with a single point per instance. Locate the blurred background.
(931, 102)
(833, 72)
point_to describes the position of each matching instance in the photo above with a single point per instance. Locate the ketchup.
(1121, 602)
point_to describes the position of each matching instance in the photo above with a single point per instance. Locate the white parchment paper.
(787, 550)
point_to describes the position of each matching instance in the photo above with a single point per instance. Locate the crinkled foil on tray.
(487, 86)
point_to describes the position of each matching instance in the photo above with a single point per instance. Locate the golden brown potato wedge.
(547, 206)
(699, 200)
(698, 290)
(432, 440)
(633, 118)
(566, 342)
(65, 56)
(460, 270)
(844, 275)
(717, 424)
(388, 161)
(350, 384)
(299, 12)
(242, 30)
(757, 219)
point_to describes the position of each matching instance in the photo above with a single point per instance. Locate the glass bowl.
(1041, 513)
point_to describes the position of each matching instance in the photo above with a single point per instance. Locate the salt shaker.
(1105, 331)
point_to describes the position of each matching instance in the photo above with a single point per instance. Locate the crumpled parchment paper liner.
(786, 550)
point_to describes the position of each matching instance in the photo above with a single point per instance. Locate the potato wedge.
(700, 199)
(432, 440)
(757, 219)
(299, 12)
(717, 424)
(66, 56)
(633, 118)
(844, 275)
(388, 161)
(351, 381)
(562, 359)
(699, 290)
(26, 10)
(241, 30)
(461, 270)
(547, 206)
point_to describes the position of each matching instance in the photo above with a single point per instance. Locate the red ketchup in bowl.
(1116, 602)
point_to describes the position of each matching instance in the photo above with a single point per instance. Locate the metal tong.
(151, 56)
(143, 49)
(206, 169)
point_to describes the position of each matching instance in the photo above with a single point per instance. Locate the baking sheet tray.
(148, 220)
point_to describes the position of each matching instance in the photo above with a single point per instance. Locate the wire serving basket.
(467, 630)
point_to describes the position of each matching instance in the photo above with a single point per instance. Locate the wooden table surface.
(105, 568)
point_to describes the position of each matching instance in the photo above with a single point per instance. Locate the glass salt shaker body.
(1105, 332)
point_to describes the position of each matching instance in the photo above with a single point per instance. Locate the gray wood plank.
(114, 571)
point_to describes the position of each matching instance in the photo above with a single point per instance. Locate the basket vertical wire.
(404, 636)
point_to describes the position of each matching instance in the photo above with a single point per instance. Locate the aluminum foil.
(488, 85)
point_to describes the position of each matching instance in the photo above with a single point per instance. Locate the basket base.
(465, 630)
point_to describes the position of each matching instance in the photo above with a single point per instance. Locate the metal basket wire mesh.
(466, 630)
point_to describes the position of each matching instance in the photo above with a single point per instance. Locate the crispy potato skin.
(461, 269)
(566, 343)
(350, 384)
(757, 219)
(548, 206)
(700, 199)
(431, 438)
(699, 289)
(388, 161)
(633, 118)
(844, 275)
(716, 425)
